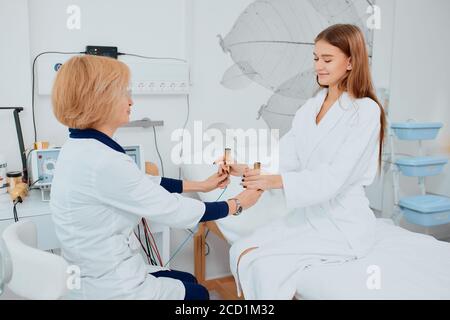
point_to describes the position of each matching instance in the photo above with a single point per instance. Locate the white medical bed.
(402, 264)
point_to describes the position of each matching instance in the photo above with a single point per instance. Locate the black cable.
(150, 58)
(152, 254)
(27, 157)
(35, 182)
(16, 217)
(207, 246)
(157, 151)
(32, 83)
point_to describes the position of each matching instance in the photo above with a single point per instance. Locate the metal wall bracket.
(144, 123)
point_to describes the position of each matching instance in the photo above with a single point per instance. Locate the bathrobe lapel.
(316, 133)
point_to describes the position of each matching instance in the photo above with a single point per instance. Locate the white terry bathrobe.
(324, 169)
(98, 197)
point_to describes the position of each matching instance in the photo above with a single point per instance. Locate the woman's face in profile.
(123, 110)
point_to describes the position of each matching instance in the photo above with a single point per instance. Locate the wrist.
(232, 207)
(201, 186)
(277, 182)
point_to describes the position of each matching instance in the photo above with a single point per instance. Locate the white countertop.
(31, 206)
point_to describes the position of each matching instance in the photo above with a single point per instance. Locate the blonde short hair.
(87, 89)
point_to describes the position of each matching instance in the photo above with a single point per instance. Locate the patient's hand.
(237, 169)
(217, 180)
(254, 180)
(248, 198)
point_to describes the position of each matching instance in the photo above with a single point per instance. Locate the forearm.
(193, 186)
(218, 210)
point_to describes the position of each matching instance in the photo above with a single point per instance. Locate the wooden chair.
(224, 286)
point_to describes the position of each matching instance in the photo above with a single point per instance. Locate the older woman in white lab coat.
(326, 159)
(99, 194)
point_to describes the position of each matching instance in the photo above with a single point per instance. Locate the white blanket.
(402, 265)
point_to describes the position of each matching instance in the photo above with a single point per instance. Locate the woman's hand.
(231, 168)
(253, 180)
(217, 180)
(234, 169)
(247, 198)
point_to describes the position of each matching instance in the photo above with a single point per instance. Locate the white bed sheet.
(411, 266)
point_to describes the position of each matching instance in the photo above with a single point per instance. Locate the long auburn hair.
(358, 81)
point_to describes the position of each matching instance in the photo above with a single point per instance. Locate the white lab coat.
(324, 169)
(98, 197)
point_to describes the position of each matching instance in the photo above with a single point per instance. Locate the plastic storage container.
(427, 211)
(421, 166)
(416, 130)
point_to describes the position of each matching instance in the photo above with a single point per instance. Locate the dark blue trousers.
(194, 290)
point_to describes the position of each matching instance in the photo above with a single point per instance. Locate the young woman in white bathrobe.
(99, 195)
(332, 151)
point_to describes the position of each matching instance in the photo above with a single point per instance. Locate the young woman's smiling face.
(331, 64)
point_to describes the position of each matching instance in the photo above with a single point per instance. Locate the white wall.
(15, 77)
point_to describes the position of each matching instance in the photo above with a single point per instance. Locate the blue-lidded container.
(416, 130)
(421, 166)
(427, 211)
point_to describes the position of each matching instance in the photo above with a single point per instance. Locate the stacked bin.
(424, 210)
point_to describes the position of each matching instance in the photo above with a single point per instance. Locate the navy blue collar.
(97, 135)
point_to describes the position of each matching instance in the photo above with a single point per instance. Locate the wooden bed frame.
(224, 286)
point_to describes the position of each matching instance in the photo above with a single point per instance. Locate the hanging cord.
(150, 58)
(138, 236)
(188, 106)
(182, 140)
(157, 151)
(191, 235)
(143, 248)
(207, 232)
(149, 245)
(33, 85)
(153, 243)
(18, 200)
